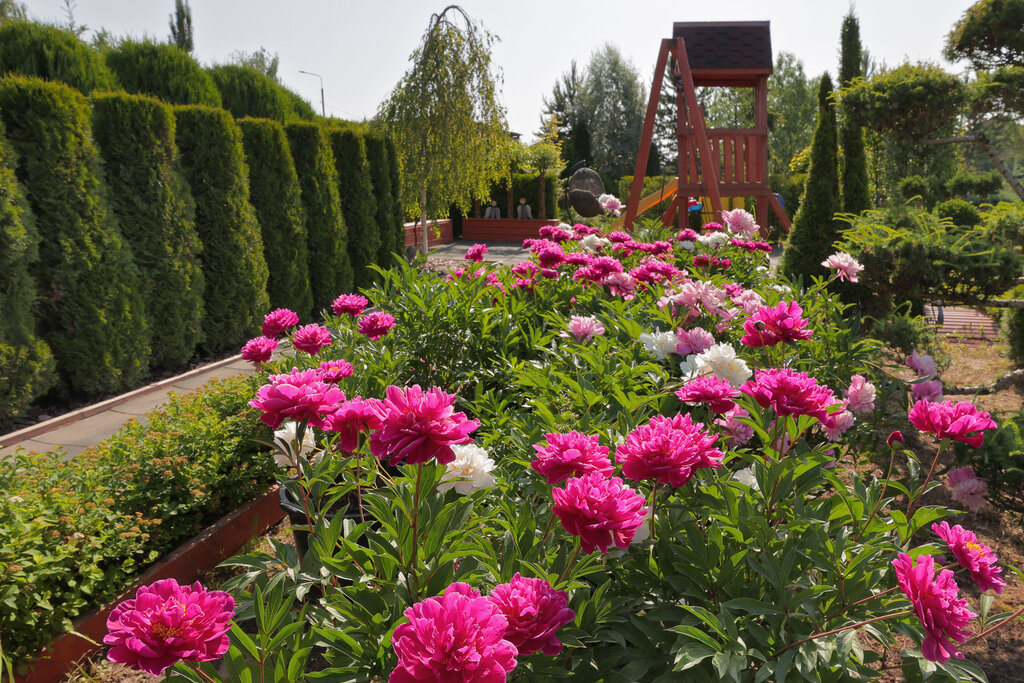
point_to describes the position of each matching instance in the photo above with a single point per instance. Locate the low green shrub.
(52, 53)
(162, 70)
(960, 211)
(1000, 459)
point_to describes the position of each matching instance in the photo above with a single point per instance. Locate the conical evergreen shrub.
(814, 227)
(53, 54)
(162, 70)
(275, 194)
(854, 191)
(90, 310)
(235, 298)
(357, 202)
(384, 214)
(244, 91)
(27, 368)
(330, 271)
(154, 207)
(397, 205)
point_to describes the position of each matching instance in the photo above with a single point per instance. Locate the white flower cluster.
(661, 344)
(470, 470)
(720, 360)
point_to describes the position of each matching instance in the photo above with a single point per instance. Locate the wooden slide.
(650, 200)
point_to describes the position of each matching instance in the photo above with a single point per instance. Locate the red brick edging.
(204, 552)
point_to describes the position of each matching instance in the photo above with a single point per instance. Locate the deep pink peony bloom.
(967, 488)
(333, 371)
(526, 269)
(458, 637)
(476, 253)
(948, 420)
(350, 304)
(276, 322)
(583, 328)
(717, 393)
(376, 325)
(895, 438)
(352, 417)
(774, 324)
(535, 611)
(166, 623)
(668, 450)
(860, 396)
(299, 395)
(789, 392)
(550, 256)
(311, 338)
(419, 425)
(259, 349)
(845, 266)
(601, 511)
(935, 601)
(571, 455)
(974, 556)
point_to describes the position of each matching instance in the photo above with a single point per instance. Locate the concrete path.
(505, 253)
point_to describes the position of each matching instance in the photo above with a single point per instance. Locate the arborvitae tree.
(398, 222)
(90, 310)
(380, 179)
(357, 202)
(330, 271)
(181, 26)
(245, 91)
(235, 299)
(52, 53)
(27, 369)
(855, 192)
(153, 204)
(814, 227)
(162, 70)
(276, 196)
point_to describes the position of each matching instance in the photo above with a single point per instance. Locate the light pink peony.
(923, 364)
(966, 488)
(166, 623)
(601, 511)
(936, 603)
(836, 425)
(717, 393)
(353, 417)
(845, 266)
(333, 371)
(311, 338)
(740, 222)
(789, 392)
(571, 455)
(476, 253)
(350, 304)
(948, 420)
(299, 395)
(695, 340)
(376, 325)
(974, 556)
(668, 450)
(774, 324)
(860, 396)
(929, 390)
(583, 328)
(458, 637)
(276, 322)
(419, 425)
(739, 432)
(259, 349)
(535, 611)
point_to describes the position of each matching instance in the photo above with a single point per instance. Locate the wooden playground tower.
(718, 162)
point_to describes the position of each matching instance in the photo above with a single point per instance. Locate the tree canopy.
(181, 26)
(612, 103)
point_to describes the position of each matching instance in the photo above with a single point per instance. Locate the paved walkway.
(505, 253)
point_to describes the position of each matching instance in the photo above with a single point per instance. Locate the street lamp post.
(323, 109)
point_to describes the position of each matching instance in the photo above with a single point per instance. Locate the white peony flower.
(470, 470)
(714, 240)
(687, 245)
(284, 439)
(689, 368)
(592, 243)
(721, 361)
(661, 344)
(747, 478)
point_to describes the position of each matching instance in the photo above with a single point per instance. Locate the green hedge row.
(31, 49)
(163, 70)
(358, 205)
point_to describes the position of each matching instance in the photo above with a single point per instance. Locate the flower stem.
(415, 531)
(931, 470)
(568, 565)
(843, 628)
(994, 627)
(874, 508)
(654, 518)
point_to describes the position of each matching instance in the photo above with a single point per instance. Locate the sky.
(361, 49)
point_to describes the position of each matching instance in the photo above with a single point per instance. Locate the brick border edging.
(26, 433)
(203, 552)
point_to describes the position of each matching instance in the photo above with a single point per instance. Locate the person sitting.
(524, 210)
(492, 211)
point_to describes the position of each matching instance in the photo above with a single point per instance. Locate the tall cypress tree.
(855, 193)
(380, 179)
(814, 227)
(357, 202)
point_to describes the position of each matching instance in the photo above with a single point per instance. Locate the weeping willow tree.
(446, 121)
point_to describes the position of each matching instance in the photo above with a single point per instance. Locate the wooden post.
(696, 119)
(636, 191)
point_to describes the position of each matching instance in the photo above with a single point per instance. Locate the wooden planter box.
(501, 229)
(440, 233)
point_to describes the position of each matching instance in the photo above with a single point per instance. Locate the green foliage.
(814, 228)
(990, 34)
(973, 186)
(330, 270)
(90, 310)
(358, 204)
(277, 197)
(235, 298)
(1012, 328)
(854, 180)
(612, 103)
(74, 532)
(154, 207)
(181, 26)
(916, 186)
(384, 200)
(1000, 459)
(245, 91)
(164, 71)
(52, 53)
(958, 211)
(26, 363)
(397, 179)
(790, 113)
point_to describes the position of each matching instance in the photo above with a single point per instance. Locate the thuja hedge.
(330, 271)
(26, 363)
(384, 201)
(73, 533)
(276, 196)
(135, 135)
(235, 297)
(162, 70)
(358, 205)
(244, 91)
(90, 310)
(32, 49)
(395, 173)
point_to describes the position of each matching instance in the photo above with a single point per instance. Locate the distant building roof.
(726, 44)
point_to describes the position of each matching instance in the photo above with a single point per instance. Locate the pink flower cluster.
(694, 340)
(712, 261)
(967, 488)
(789, 392)
(301, 395)
(277, 321)
(929, 388)
(376, 325)
(716, 392)
(948, 420)
(937, 604)
(353, 417)
(860, 396)
(772, 325)
(571, 455)
(555, 233)
(668, 450)
(845, 266)
(333, 371)
(311, 338)
(259, 349)
(535, 611)
(601, 510)
(419, 425)
(974, 556)
(350, 304)
(740, 221)
(584, 327)
(751, 245)
(476, 253)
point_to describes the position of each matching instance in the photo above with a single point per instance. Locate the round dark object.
(585, 203)
(587, 179)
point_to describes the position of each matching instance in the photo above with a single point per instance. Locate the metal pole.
(323, 108)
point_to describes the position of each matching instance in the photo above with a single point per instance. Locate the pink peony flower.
(845, 266)
(458, 637)
(476, 253)
(311, 338)
(948, 420)
(352, 417)
(610, 203)
(601, 511)
(695, 340)
(860, 396)
(350, 304)
(535, 611)
(550, 256)
(166, 623)
(571, 455)
(836, 425)
(936, 603)
(923, 364)
(740, 222)
(527, 269)
(789, 392)
(739, 432)
(668, 450)
(717, 393)
(376, 325)
(299, 395)
(419, 425)
(772, 325)
(583, 328)
(276, 322)
(928, 390)
(686, 235)
(259, 349)
(333, 371)
(974, 556)
(966, 488)
(621, 284)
